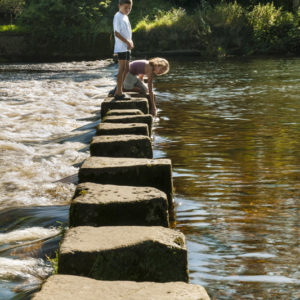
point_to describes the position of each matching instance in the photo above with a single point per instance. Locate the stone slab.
(112, 205)
(138, 146)
(121, 112)
(134, 253)
(122, 128)
(69, 287)
(134, 103)
(148, 119)
(155, 173)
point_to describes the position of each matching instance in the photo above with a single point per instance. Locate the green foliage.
(223, 29)
(162, 19)
(54, 262)
(5, 28)
(11, 9)
(213, 27)
(60, 21)
(274, 29)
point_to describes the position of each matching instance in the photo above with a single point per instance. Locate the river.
(231, 128)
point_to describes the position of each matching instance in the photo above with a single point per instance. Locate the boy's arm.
(129, 43)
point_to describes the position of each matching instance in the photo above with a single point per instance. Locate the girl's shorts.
(132, 81)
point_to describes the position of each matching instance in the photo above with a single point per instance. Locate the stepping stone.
(68, 287)
(134, 253)
(155, 173)
(122, 128)
(148, 119)
(121, 112)
(138, 146)
(134, 103)
(113, 205)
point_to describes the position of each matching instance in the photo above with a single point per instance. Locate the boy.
(123, 44)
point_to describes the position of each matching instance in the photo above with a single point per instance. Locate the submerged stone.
(68, 287)
(138, 146)
(107, 205)
(137, 253)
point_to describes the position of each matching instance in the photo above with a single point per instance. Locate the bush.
(230, 28)
(62, 20)
(274, 31)
(10, 10)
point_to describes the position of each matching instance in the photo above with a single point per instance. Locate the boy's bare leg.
(120, 77)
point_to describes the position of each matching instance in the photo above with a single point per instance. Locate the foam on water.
(48, 113)
(28, 234)
(42, 106)
(30, 269)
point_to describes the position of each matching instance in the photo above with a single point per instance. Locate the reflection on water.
(232, 131)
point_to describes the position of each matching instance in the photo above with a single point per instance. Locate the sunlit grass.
(166, 19)
(11, 28)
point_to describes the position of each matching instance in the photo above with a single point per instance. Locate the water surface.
(232, 130)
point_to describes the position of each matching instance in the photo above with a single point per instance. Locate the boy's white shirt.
(122, 25)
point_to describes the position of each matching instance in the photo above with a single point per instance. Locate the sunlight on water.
(48, 115)
(232, 130)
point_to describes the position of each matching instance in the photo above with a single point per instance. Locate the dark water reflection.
(232, 130)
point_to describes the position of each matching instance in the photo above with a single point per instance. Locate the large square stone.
(138, 146)
(135, 253)
(122, 128)
(148, 119)
(156, 173)
(107, 205)
(134, 103)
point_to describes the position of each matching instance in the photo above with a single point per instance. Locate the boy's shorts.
(124, 55)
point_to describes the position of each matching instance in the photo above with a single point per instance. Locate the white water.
(38, 110)
(43, 111)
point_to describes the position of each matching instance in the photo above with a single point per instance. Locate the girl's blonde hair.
(160, 62)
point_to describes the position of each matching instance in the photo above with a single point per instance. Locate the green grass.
(11, 28)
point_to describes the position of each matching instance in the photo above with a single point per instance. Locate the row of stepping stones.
(120, 245)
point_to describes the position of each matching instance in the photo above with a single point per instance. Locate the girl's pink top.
(137, 67)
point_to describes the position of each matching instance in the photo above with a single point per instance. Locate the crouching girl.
(138, 69)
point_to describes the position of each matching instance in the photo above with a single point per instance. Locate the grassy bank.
(226, 29)
(214, 28)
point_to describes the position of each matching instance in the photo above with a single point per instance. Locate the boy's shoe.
(122, 97)
(112, 92)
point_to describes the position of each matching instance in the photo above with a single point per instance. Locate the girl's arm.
(152, 100)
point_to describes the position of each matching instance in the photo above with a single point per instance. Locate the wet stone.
(134, 103)
(148, 119)
(138, 146)
(113, 205)
(155, 173)
(122, 128)
(121, 112)
(135, 253)
(69, 287)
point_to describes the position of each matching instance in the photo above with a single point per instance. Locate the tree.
(11, 8)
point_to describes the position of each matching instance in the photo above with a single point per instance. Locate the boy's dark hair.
(121, 2)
